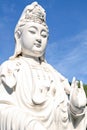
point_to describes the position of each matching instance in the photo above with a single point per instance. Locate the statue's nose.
(38, 40)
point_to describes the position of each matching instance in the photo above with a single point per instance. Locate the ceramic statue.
(33, 95)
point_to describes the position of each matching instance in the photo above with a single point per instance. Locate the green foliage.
(85, 88)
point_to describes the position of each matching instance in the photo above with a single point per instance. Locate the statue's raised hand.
(77, 97)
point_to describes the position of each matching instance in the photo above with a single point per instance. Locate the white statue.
(33, 95)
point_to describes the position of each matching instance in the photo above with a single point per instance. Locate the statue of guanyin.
(33, 95)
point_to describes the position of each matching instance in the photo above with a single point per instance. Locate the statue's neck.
(31, 59)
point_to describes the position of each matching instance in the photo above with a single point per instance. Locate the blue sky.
(67, 45)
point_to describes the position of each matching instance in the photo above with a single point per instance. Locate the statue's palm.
(77, 96)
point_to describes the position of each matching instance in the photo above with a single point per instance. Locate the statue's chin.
(33, 54)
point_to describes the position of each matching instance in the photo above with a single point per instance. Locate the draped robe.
(33, 93)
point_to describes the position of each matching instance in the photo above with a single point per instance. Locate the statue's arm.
(7, 74)
(11, 115)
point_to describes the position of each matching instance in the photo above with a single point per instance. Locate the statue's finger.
(73, 82)
(76, 85)
(81, 85)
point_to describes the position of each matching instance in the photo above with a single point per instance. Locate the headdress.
(32, 13)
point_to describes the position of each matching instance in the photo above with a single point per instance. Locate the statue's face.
(34, 39)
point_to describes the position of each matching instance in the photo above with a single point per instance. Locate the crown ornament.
(36, 14)
(33, 13)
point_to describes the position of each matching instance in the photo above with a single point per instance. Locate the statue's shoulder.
(9, 64)
(59, 77)
(56, 73)
(13, 65)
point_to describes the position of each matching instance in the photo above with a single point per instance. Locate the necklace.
(39, 71)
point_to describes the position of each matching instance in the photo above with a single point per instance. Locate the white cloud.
(70, 57)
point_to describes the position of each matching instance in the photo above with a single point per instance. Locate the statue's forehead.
(35, 25)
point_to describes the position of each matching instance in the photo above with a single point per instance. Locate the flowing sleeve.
(12, 117)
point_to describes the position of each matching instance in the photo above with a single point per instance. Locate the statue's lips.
(37, 45)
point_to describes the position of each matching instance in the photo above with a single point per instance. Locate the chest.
(42, 76)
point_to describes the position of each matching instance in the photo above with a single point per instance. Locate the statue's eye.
(32, 30)
(44, 34)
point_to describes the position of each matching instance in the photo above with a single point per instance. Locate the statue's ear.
(17, 51)
(17, 34)
(18, 42)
